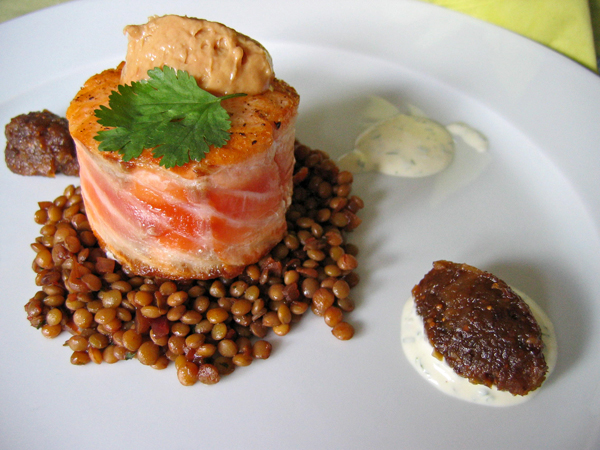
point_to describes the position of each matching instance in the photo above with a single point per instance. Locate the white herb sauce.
(418, 350)
(473, 138)
(406, 145)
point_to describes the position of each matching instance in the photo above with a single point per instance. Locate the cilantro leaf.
(168, 112)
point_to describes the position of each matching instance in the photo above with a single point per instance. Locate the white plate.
(531, 217)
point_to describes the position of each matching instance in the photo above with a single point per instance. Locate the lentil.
(242, 360)
(187, 374)
(282, 329)
(343, 331)
(208, 374)
(261, 349)
(224, 365)
(80, 358)
(323, 298)
(148, 353)
(227, 348)
(95, 355)
(333, 315)
(108, 355)
(77, 343)
(193, 341)
(131, 340)
(161, 363)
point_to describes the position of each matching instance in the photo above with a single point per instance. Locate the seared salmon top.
(255, 120)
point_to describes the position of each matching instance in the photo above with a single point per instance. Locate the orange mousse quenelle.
(205, 218)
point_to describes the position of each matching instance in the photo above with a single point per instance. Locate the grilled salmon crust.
(205, 219)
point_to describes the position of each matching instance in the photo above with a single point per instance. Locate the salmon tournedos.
(204, 219)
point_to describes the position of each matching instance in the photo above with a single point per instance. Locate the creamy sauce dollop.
(418, 351)
(407, 145)
(473, 138)
(222, 60)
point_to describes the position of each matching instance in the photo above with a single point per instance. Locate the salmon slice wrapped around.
(204, 219)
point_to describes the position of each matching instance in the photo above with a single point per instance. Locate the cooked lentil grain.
(343, 331)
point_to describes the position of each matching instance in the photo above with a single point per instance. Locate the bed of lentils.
(208, 328)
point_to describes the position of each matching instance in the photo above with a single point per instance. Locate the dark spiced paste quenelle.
(39, 143)
(481, 327)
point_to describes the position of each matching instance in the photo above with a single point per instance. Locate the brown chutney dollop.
(39, 143)
(481, 327)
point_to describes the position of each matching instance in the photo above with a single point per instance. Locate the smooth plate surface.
(531, 216)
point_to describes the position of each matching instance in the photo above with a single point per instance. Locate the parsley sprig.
(169, 112)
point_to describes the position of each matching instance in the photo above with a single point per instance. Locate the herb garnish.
(170, 112)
